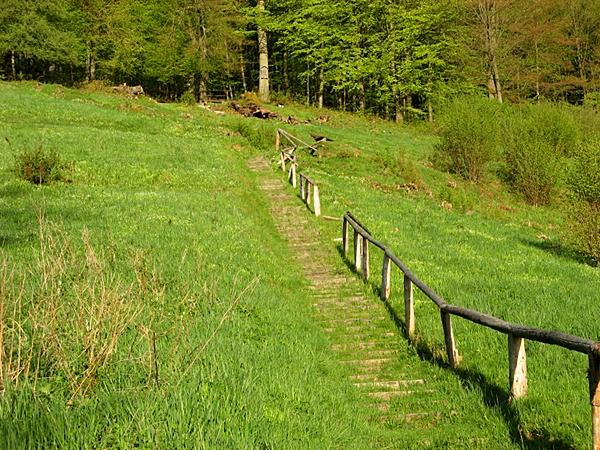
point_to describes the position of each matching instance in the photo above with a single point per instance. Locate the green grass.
(180, 231)
(183, 238)
(490, 252)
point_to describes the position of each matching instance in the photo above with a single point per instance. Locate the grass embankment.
(149, 302)
(478, 246)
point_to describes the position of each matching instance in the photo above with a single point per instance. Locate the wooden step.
(392, 384)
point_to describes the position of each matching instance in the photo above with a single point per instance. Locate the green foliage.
(537, 140)
(584, 176)
(585, 229)
(584, 180)
(469, 137)
(39, 165)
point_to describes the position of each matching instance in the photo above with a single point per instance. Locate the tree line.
(397, 59)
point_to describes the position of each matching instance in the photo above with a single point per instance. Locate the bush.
(537, 141)
(585, 229)
(584, 174)
(584, 180)
(470, 134)
(39, 166)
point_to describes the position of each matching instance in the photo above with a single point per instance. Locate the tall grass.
(64, 317)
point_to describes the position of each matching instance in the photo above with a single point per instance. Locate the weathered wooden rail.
(287, 145)
(517, 334)
(306, 186)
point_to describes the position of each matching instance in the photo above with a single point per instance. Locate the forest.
(396, 59)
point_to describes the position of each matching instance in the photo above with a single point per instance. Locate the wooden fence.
(517, 334)
(287, 145)
(306, 186)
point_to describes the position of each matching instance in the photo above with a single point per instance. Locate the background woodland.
(395, 59)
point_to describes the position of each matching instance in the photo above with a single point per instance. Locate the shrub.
(469, 132)
(585, 229)
(584, 180)
(537, 141)
(188, 98)
(39, 166)
(584, 174)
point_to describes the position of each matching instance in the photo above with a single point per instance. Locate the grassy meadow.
(147, 300)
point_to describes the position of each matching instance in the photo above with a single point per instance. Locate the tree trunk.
(13, 65)
(362, 102)
(488, 17)
(263, 59)
(286, 76)
(429, 110)
(243, 73)
(307, 84)
(203, 88)
(399, 110)
(321, 87)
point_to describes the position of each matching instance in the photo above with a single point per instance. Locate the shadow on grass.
(493, 395)
(561, 251)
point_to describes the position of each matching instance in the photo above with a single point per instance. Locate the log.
(365, 259)
(594, 379)
(453, 358)
(409, 308)
(517, 364)
(317, 201)
(357, 251)
(386, 277)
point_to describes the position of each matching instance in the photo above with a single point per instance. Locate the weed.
(39, 166)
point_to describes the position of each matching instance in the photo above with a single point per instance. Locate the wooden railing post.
(357, 251)
(386, 278)
(409, 308)
(301, 187)
(307, 192)
(277, 141)
(449, 338)
(594, 379)
(345, 236)
(517, 367)
(293, 173)
(365, 259)
(317, 201)
(282, 161)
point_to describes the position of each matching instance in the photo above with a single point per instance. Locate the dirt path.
(359, 326)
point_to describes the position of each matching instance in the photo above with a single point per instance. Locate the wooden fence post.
(317, 201)
(307, 192)
(293, 173)
(517, 364)
(594, 378)
(409, 308)
(365, 258)
(282, 161)
(357, 251)
(449, 338)
(345, 236)
(301, 187)
(386, 277)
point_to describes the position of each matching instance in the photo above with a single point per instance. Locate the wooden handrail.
(517, 334)
(306, 195)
